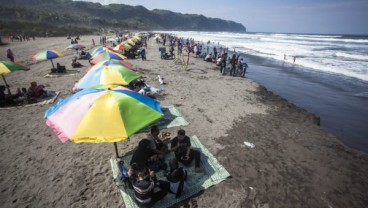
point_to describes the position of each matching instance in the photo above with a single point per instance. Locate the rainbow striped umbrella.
(48, 54)
(113, 61)
(98, 115)
(107, 55)
(123, 46)
(99, 50)
(8, 66)
(106, 74)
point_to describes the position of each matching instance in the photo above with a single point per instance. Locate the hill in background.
(61, 17)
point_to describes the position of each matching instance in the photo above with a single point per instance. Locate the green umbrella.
(8, 66)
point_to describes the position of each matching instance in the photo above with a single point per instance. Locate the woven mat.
(213, 174)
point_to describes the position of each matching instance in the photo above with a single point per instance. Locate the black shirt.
(183, 144)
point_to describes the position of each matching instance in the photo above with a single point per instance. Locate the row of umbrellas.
(103, 110)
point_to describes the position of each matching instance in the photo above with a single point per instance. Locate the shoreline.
(294, 163)
(332, 98)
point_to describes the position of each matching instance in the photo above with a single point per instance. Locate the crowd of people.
(208, 52)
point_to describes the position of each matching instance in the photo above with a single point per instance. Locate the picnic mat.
(68, 73)
(52, 96)
(213, 174)
(172, 118)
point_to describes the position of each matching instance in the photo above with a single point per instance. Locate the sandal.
(194, 203)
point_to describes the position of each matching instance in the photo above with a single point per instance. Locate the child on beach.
(9, 54)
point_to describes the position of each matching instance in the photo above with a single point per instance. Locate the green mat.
(213, 174)
(172, 118)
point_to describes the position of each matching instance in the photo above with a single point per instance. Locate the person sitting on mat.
(177, 177)
(144, 183)
(182, 147)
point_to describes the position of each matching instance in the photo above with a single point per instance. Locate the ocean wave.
(352, 56)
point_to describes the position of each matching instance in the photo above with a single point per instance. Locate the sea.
(324, 74)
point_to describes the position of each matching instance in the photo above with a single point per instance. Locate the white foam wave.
(353, 56)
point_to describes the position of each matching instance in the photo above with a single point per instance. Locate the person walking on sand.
(9, 54)
(294, 59)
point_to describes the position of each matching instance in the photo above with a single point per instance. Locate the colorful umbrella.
(8, 66)
(107, 55)
(76, 46)
(106, 74)
(123, 46)
(99, 50)
(98, 115)
(48, 54)
(131, 42)
(112, 62)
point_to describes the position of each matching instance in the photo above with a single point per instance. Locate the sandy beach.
(294, 162)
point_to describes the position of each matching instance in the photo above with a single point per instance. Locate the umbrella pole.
(52, 64)
(6, 84)
(116, 149)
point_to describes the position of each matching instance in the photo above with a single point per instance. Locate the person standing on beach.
(233, 65)
(223, 63)
(215, 51)
(9, 54)
(294, 59)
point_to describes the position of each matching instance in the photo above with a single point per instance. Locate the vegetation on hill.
(61, 17)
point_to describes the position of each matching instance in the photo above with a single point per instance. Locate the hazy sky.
(290, 16)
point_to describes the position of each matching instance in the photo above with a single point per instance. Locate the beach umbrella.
(8, 66)
(76, 46)
(112, 62)
(102, 114)
(48, 54)
(131, 42)
(99, 50)
(107, 55)
(123, 46)
(106, 74)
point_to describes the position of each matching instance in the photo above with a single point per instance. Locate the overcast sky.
(288, 16)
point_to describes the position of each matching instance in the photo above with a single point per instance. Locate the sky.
(281, 16)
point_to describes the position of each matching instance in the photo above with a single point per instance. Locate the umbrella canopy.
(107, 55)
(113, 61)
(98, 115)
(106, 74)
(99, 50)
(131, 42)
(123, 46)
(76, 46)
(48, 54)
(8, 66)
